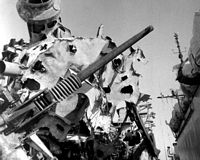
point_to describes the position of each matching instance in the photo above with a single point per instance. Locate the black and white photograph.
(99, 80)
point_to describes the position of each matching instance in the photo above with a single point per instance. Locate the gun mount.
(42, 102)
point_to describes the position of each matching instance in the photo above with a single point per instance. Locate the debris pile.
(67, 97)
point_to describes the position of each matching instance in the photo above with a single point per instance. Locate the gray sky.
(122, 19)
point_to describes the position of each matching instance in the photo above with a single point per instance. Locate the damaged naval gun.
(36, 109)
(40, 88)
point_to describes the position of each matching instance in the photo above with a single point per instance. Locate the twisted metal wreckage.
(54, 93)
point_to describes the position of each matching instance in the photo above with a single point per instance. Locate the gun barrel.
(9, 68)
(68, 86)
(92, 68)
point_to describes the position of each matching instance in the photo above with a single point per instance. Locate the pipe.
(9, 68)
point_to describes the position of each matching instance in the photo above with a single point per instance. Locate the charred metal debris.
(69, 97)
